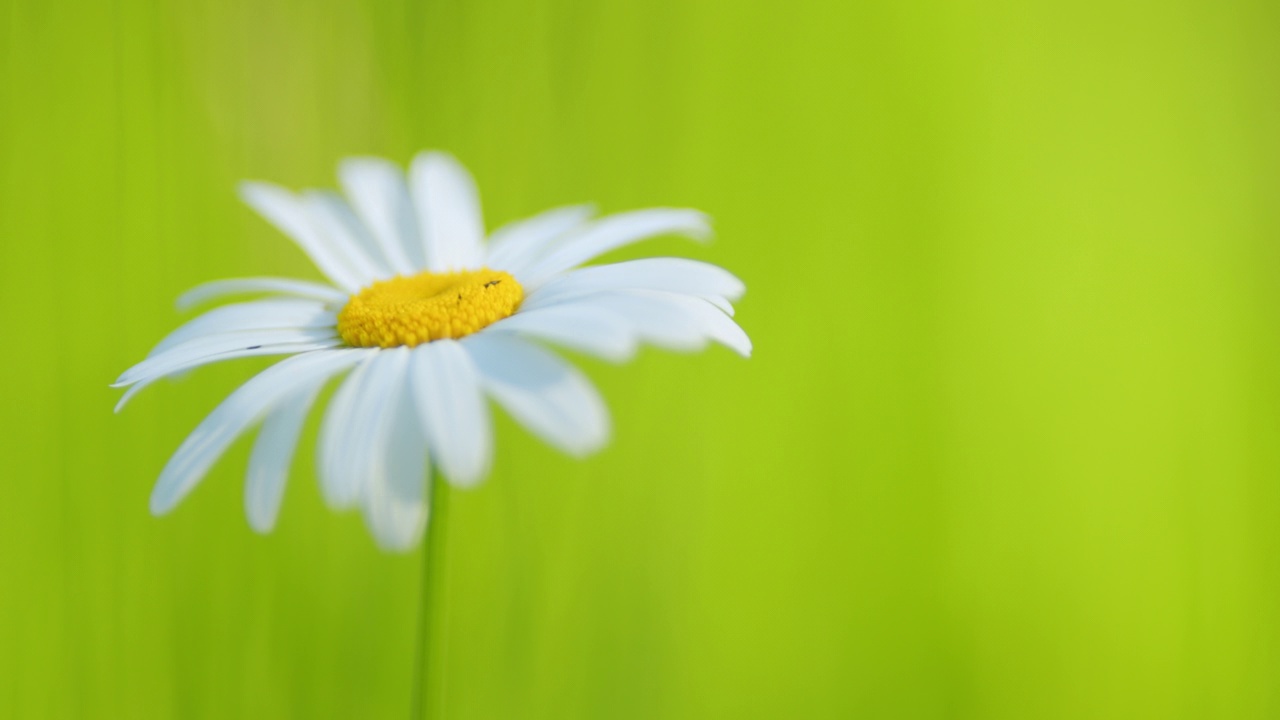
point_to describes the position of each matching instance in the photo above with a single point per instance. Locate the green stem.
(430, 596)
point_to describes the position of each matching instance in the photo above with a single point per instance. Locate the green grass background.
(1008, 447)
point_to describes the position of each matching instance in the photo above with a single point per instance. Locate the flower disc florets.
(428, 306)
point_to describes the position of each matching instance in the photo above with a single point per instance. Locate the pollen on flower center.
(428, 306)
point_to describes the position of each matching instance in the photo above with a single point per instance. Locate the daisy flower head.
(427, 319)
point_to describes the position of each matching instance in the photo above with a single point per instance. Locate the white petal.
(716, 324)
(453, 411)
(128, 394)
(266, 350)
(577, 326)
(378, 192)
(242, 408)
(394, 500)
(675, 322)
(272, 454)
(613, 232)
(448, 209)
(180, 356)
(290, 216)
(720, 303)
(258, 315)
(219, 289)
(514, 245)
(356, 423)
(543, 392)
(348, 234)
(657, 322)
(339, 486)
(676, 275)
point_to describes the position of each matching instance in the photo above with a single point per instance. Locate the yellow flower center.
(428, 306)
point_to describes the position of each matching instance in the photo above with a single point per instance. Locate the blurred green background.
(1007, 447)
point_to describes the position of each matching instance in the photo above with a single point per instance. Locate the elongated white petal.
(181, 355)
(718, 326)
(356, 423)
(676, 275)
(380, 197)
(242, 408)
(539, 300)
(129, 394)
(264, 351)
(272, 454)
(219, 289)
(348, 235)
(675, 322)
(720, 303)
(514, 245)
(394, 500)
(613, 232)
(543, 392)
(338, 485)
(284, 210)
(453, 411)
(286, 314)
(448, 211)
(576, 326)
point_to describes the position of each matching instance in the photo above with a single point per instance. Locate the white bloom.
(430, 318)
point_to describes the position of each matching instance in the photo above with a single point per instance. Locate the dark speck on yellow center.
(428, 306)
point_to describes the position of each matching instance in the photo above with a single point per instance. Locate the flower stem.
(430, 598)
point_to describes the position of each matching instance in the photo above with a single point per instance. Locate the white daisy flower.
(430, 318)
